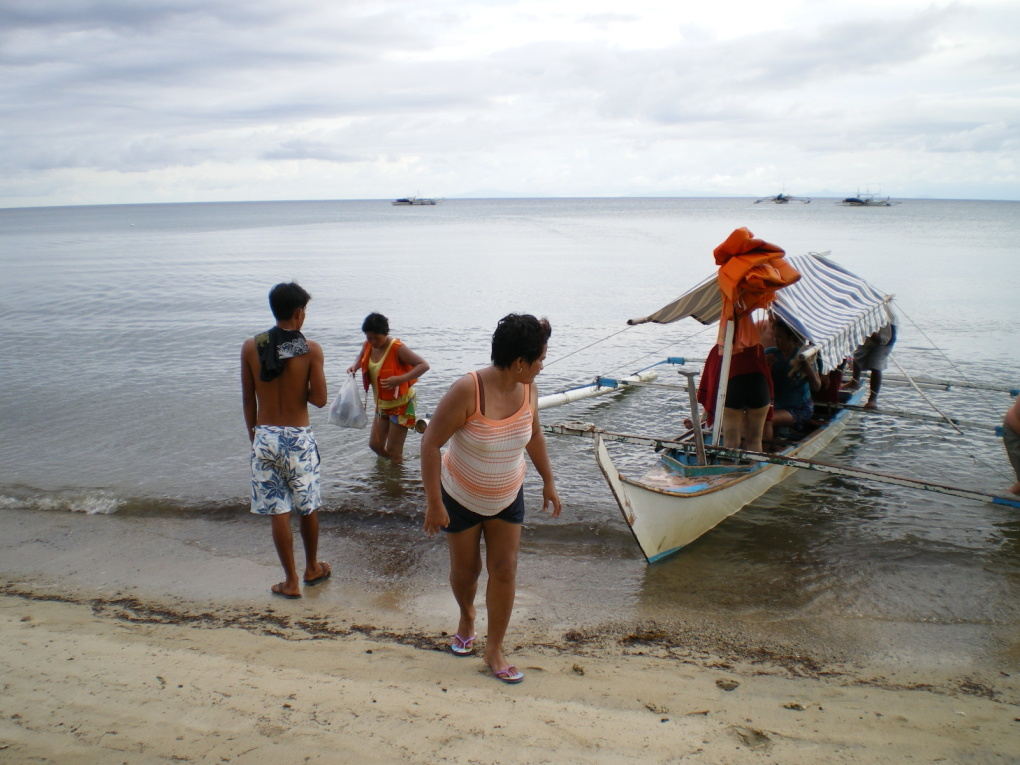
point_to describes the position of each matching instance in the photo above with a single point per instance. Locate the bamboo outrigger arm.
(954, 421)
(590, 431)
(600, 387)
(930, 382)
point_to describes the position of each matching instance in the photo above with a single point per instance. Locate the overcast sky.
(126, 101)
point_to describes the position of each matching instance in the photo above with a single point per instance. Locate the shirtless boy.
(281, 373)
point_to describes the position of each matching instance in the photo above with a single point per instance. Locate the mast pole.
(724, 379)
(699, 437)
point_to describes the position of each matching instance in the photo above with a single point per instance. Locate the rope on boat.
(659, 351)
(981, 390)
(921, 394)
(967, 382)
(631, 364)
(586, 347)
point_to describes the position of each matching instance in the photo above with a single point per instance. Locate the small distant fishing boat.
(867, 199)
(783, 199)
(689, 489)
(405, 201)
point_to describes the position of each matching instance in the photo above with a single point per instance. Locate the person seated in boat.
(873, 356)
(748, 396)
(830, 394)
(794, 378)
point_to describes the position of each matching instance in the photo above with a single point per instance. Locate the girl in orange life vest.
(391, 369)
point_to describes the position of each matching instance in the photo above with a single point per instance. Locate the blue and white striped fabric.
(833, 309)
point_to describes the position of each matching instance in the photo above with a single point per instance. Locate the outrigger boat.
(689, 491)
(413, 201)
(783, 199)
(867, 199)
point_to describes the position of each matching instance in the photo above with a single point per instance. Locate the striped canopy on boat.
(831, 308)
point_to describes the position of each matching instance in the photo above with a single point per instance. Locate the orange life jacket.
(391, 366)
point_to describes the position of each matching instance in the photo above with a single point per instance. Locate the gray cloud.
(125, 87)
(319, 150)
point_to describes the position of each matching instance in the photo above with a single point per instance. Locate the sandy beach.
(167, 650)
(126, 681)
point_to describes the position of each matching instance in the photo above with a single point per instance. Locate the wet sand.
(153, 639)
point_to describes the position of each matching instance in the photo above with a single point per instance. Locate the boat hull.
(866, 200)
(666, 513)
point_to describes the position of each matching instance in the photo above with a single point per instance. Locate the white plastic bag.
(348, 410)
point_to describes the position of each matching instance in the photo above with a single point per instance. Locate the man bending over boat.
(281, 373)
(873, 355)
(1011, 439)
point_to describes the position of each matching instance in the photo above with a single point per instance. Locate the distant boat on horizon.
(405, 201)
(867, 199)
(783, 199)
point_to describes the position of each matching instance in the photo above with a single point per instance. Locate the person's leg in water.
(395, 437)
(377, 438)
(875, 386)
(387, 439)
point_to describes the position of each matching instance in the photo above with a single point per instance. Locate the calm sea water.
(123, 327)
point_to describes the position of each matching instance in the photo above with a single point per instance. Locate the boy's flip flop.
(277, 589)
(327, 572)
(462, 646)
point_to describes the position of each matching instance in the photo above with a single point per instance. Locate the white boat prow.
(667, 509)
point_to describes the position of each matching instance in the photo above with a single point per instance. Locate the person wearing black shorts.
(745, 410)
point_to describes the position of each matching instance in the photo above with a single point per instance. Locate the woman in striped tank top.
(475, 489)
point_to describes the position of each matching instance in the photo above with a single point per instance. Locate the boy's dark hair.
(285, 298)
(376, 323)
(519, 336)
